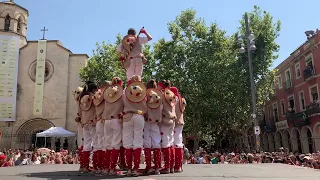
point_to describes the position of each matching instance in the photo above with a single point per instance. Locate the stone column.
(305, 145)
(317, 143)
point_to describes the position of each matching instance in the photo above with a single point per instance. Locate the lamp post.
(250, 45)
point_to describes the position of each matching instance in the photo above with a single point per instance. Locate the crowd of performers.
(117, 123)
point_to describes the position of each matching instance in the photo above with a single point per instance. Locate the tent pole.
(45, 141)
(36, 142)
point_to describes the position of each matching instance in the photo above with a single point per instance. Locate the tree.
(266, 31)
(104, 64)
(202, 62)
(195, 60)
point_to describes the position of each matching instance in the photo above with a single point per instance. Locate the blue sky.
(79, 24)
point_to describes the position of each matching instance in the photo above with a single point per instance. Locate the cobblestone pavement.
(191, 172)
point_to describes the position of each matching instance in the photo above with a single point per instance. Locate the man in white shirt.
(133, 58)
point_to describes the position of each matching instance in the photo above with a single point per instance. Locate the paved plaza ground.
(191, 172)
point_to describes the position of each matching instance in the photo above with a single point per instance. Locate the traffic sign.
(257, 130)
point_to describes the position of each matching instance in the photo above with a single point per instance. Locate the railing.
(313, 109)
(287, 85)
(310, 71)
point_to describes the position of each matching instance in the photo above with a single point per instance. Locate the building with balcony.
(292, 115)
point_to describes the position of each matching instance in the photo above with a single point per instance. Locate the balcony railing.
(298, 119)
(309, 72)
(313, 109)
(287, 85)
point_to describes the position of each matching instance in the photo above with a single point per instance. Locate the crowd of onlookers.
(9, 158)
(238, 157)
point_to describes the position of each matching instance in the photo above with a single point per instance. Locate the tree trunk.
(245, 140)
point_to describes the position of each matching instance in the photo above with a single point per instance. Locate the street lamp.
(250, 45)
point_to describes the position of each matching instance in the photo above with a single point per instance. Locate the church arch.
(21, 16)
(34, 125)
(5, 12)
(7, 23)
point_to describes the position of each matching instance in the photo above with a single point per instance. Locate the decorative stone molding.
(48, 72)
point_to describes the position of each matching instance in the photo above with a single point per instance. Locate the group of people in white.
(116, 123)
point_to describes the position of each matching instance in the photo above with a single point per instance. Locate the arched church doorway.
(27, 132)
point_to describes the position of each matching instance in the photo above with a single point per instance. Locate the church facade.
(60, 78)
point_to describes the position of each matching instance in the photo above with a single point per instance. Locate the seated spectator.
(3, 161)
(22, 160)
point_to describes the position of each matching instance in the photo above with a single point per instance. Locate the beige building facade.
(61, 77)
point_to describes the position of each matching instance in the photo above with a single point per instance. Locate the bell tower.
(13, 20)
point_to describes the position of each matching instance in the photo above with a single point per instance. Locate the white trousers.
(133, 132)
(135, 68)
(151, 135)
(113, 134)
(79, 135)
(177, 135)
(166, 132)
(88, 131)
(94, 144)
(100, 136)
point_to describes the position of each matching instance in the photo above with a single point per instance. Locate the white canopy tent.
(54, 132)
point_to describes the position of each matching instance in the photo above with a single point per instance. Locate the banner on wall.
(39, 80)
(9, 61)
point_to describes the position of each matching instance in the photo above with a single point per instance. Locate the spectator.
(22, 160)
(65, 144)
(58, 145)
(34, 159)
(3, 162)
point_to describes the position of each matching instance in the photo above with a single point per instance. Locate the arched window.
(19, 30)
(7, 23)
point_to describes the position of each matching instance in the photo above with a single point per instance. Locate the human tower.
(116, 123)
